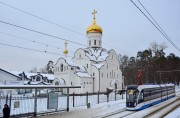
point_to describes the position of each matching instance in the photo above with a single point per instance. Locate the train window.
(132, 95)
(141, 97)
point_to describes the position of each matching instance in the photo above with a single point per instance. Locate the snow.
(97, 54)
(83, 74)
(49, 76)
(71, 63)
(96, 110)
(174, 114)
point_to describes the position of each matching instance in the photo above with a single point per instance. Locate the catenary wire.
(49, 35)
(169, 39)
(155, 25)
(52, 23)
(30, 49)
(41, 18)
(30, 40)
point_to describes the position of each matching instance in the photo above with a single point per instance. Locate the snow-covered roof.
(96, 54)
(83, 74)
(71, 63)
(38, 83)
(49, 76)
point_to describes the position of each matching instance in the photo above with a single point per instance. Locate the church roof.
(96, 54)
(49, 76)
(83, 74)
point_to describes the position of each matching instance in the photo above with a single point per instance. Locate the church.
(94, 68)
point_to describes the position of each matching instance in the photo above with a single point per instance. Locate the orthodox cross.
(94, 14)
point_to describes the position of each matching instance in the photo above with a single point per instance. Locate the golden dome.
(65, 51)
(94, 28)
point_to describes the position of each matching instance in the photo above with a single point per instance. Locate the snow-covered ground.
(96, 110)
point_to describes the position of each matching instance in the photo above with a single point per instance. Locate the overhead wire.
(41, 18)
(51, 22)
(49, 35)
(25, 48)
(44, 44)
(168, 38)
(159, 29)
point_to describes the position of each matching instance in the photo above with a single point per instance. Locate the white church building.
(93, 68)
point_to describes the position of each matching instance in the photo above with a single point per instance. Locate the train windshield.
(131, 95)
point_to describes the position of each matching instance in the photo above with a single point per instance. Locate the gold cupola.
(94, 28)
(65, 50)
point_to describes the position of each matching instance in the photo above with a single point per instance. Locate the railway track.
(117, 114)
(159, 110)
(166, 109)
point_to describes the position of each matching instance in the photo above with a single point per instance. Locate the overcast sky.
(125, 29)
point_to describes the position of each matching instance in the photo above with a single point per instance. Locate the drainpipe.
(99, 80)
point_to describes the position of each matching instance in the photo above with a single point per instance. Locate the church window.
(57, 83)
(61, 67)
(107, 75)
(89, 43)
(93, 74)
(87, 65)
(107, 66)
(38, 78)
(94, 42)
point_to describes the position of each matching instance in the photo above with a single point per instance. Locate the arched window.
(61, 67)
(57, 83)
(38, 78)
(94, 42)
(89, 43)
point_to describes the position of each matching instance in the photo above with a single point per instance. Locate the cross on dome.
(94, 28)
(94, 13)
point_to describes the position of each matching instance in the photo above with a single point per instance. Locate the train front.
(131, 97)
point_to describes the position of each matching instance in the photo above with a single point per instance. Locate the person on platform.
(6, 111)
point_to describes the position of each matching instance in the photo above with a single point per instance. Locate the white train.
(143, 96)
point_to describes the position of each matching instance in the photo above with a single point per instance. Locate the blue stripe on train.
(156, 102)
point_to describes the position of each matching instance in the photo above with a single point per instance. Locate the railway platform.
(92, 112)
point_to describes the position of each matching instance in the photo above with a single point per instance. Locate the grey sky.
(124, 27)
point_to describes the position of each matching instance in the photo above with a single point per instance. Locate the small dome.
(65, 51)
(94, 28)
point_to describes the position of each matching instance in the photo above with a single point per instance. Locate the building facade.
(94, 68)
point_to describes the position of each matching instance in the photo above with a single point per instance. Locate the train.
(139, 97)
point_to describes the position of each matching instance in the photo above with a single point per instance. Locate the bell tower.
(94, 33)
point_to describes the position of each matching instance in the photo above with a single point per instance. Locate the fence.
(24, 104)
(34, 103)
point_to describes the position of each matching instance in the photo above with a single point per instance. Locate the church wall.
(95, 75)
(94, 39)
